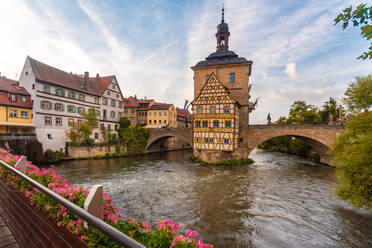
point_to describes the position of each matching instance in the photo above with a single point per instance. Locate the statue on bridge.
(268, 119)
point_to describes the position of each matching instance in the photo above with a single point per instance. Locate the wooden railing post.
(94, 202)
(21, 163)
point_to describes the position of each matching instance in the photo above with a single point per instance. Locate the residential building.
(130, 109)
(136, 109)
(60, 97)
(15, 108)
(142, 110)
(162, 115)
(183, 118)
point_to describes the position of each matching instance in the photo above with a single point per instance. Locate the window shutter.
(55, 106)
(69, 94)
(50, 105)
(63, 92)
(41, 104)
(56, 91)
(63, 107)
(74, 109)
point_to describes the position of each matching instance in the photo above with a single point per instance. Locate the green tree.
(81, 131)
(358, 95)
(329, 107)
(361, 16)
(91, 117)
(353, 157)
(301, 113)
(124, 122)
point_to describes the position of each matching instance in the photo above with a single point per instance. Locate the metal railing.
(105, 228)
(14, 136)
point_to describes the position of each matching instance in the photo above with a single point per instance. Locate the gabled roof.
(12, 86)
(105, 81)
(49, 74)
(211, 78)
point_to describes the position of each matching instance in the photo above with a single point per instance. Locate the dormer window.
(23, 98)
(12, 97)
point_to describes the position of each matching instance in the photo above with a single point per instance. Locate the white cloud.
(290, 69)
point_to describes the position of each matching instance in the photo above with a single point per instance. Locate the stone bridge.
(319, 137)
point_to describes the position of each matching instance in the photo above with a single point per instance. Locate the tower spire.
(223, 13)
(223, 33)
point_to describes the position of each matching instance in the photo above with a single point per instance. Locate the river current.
(279, 201)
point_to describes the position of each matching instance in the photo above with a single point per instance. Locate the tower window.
(215, 123)
(197, 123)
(228, 124)
(232, 77)
(200, 110)
(205, 123)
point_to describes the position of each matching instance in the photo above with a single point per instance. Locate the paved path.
(6, 237)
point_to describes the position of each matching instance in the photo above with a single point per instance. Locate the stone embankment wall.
(88, 151)
(31, 227)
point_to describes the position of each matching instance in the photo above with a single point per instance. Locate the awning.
(20, 124)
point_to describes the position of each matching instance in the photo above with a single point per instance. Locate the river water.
(279, 201)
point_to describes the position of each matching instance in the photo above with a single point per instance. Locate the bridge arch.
(319, 137)
(156, 135)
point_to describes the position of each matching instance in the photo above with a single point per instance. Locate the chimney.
(135, 96)
(97, 76)
(86, 74)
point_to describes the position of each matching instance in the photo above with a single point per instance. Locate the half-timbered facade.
(216, 118)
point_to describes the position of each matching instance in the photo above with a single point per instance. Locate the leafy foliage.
(358, 95)
(361, 16)
(353, 157)
(301, 113)
(133, 138)
(80, 132)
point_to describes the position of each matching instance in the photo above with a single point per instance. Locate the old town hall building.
(221, 102)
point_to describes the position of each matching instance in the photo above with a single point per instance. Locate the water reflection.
(279, 201)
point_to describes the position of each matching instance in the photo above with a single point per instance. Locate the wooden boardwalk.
(7, 239)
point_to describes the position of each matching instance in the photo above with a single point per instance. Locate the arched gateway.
(319, 137)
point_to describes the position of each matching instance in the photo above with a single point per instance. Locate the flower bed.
(165, 234)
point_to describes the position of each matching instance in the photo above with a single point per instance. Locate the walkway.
(6, 237)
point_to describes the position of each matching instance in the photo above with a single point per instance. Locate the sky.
(150, 45)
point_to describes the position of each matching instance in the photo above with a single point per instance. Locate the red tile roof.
(49, 74)
(130, 102)
(184, 113)
(105, 81)
(10, 86)
(160, 106)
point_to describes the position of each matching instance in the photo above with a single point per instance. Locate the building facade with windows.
(15, 108)
(183, 118)
(60, 97)
(222, 69)
(136, 110)
(161, 115)
(216, 118)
